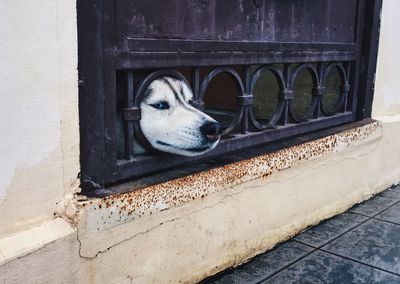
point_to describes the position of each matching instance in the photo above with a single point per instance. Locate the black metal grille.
(244, 129)
(124, 44)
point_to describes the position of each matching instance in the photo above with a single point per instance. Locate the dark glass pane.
(220, 99)
(332, 90)
(302, 89)
(265, 94)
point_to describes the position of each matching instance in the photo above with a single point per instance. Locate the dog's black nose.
(211, 130)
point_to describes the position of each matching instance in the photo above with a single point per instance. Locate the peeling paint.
(120, 208)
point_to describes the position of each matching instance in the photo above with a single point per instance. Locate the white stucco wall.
(39, 137)
(387, 83)
(39, 163)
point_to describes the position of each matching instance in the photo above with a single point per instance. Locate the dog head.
(170, 124)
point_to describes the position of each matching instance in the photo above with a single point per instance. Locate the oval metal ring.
(344, 80)
(281, 83)
(230, 71)
(144, 84)
(239, 84)
(314, 74)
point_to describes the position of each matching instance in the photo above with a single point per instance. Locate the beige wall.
(39, 151)
(38, 109)
(387, 83)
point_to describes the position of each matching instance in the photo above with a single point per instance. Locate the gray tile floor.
(361, 245)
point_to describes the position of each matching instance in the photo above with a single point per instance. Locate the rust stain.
(124, 207)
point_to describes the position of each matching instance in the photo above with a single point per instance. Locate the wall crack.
(222, 201)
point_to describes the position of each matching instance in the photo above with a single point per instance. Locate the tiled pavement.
(361, 245)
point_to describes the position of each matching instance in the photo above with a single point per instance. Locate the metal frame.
(100, 57)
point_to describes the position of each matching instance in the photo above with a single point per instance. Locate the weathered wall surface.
(387, 85)
(38, 110)
(172, 239)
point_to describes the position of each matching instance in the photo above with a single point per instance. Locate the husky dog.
(170, 124)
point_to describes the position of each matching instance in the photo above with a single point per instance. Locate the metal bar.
(355, 69)
(128, 60)
(109, 87)
(164, 45)
(110, 117)
(247, 77)
(196, 83)
(346, 95)
(285, 113)
(244, 127)
(128, 124)
(91, 95)
(109, 24)
(369, 57)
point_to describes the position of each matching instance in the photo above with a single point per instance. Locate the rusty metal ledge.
(146, 201)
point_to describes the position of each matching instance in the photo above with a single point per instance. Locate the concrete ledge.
(113, 210)
(27, 242)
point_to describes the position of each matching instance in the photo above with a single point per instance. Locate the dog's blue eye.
(161, 105)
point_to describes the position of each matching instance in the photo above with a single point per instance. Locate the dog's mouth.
(194, 149)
